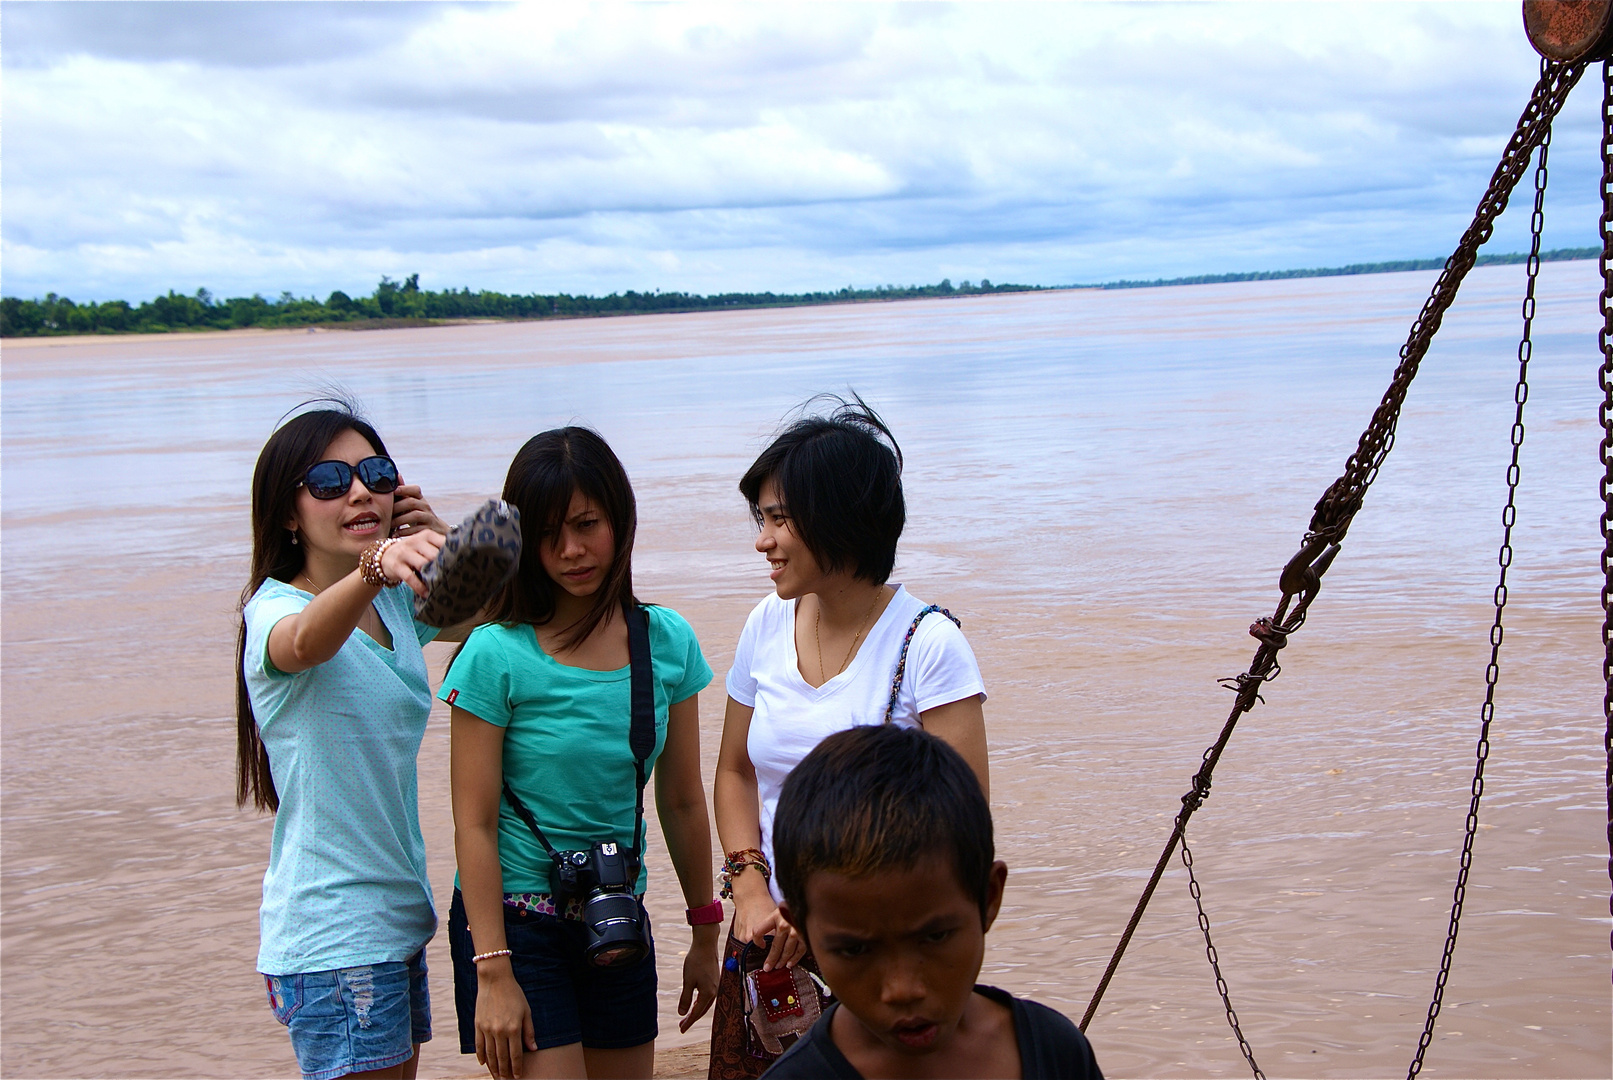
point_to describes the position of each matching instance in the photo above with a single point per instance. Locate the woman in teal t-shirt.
(541, 703)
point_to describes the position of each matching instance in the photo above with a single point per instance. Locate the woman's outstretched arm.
(476, 771)
(317, 632)
(680, 800)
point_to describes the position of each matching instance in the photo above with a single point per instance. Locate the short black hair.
(840, 476)
(881, 797)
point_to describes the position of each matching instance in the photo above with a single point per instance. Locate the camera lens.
(616, 934)
(618, 956)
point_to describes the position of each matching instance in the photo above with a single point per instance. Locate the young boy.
(883, 848)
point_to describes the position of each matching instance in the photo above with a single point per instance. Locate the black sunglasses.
(333, 479)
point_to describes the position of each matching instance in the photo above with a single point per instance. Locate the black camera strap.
(640, 736)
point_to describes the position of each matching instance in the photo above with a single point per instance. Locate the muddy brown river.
(1102, 486)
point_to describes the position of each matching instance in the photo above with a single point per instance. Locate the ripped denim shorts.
(353, 1019)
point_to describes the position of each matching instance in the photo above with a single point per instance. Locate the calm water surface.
(1103, 486)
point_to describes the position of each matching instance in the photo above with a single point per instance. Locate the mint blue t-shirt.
(347, 882)
(566, 751)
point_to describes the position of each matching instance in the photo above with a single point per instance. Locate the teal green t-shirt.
(566, 749)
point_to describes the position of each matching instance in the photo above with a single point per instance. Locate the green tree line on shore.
(405, 303)
(402, 303)
(1554, 255)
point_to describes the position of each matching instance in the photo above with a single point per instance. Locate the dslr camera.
(603, 878)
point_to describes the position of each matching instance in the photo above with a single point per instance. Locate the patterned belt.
(543, 904)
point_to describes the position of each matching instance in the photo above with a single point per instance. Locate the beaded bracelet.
(479, 957)
(745, 857)
(369, 564)
(735, 864)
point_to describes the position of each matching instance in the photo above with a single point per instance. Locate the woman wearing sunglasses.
(331, 705)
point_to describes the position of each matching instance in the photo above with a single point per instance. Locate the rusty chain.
(1605, 378)
(1301, 577)
(1340, 502)
(1509, 515)
(1215, 961)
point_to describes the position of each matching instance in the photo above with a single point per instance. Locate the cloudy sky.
(310, 146)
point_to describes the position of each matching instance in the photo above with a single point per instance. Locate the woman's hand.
(503, 1019)
(788, 946)
(404, 560)
(756, 917)
(700, 972)
(753, 905)
(411, 513)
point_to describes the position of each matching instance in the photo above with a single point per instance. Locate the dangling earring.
(294, 537)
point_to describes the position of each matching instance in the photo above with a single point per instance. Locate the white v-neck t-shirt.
(791, 716)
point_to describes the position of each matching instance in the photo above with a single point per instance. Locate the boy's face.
(901, 949)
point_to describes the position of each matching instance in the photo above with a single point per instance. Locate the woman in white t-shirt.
(835, 646)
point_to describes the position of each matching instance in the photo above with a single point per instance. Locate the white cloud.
(546, 147)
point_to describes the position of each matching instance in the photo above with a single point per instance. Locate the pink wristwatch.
(705, 916)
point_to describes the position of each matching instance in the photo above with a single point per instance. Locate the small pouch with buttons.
(781, 1004)
(777, 994)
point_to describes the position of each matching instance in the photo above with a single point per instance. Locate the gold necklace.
(817, 625)
(304, 575)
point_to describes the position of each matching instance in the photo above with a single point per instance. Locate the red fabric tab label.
(452, 695)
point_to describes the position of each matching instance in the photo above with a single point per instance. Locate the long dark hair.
(297, 444)
(545, 473)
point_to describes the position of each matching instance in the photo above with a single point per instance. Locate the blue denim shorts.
(571, 1000)
(353, 1019)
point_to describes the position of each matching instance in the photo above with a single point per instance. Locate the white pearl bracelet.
(369, 564)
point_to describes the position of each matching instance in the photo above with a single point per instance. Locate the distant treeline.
(405, 303)
(1555, 255)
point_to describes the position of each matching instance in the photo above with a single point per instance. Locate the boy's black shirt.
(1050, 1046)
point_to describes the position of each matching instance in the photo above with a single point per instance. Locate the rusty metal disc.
(1569, 30)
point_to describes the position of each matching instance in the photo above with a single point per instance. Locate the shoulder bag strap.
(901, 660)
(640, 736)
